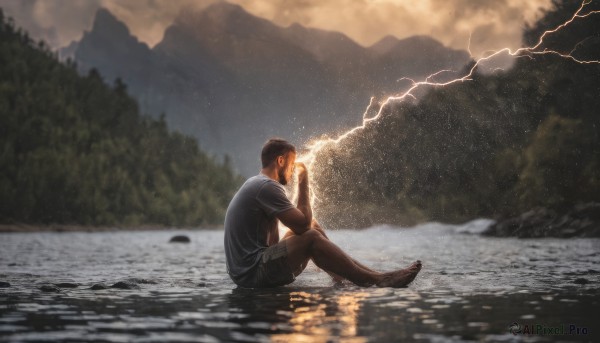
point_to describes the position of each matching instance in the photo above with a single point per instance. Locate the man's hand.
(299, 219)
(302, 171)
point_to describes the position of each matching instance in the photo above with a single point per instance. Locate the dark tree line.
(74, 150)
(498, 145)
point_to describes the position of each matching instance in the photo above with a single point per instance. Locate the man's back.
(250, 216)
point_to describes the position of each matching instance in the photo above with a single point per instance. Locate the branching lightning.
(315, 146)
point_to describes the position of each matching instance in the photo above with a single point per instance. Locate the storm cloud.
(487, 24)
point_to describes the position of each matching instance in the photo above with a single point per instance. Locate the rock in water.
(581, 281)
(125, 285)
(4, 284)
(142, 281)
(66, 285)
(582, 220)
(180, 239)
(49, 288)
(98, 286)
(534, 223)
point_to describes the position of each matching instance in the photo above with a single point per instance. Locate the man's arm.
(299, 219)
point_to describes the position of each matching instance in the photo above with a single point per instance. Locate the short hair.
(273, 148)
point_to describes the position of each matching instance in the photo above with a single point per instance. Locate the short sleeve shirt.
(251, 214)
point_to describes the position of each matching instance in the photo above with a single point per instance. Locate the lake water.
(471, 288)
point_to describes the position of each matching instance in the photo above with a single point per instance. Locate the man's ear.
(280, 161)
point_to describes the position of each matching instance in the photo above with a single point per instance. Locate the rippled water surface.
(471, 288)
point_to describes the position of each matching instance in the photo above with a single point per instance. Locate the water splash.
(318, 145)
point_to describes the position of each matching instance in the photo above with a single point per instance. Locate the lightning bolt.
(313, 147)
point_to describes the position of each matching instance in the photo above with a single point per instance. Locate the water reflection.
(349, 305)
(306, 315)
(299, 315)
(470, 290)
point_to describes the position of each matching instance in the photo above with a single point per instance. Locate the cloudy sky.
(491, 24)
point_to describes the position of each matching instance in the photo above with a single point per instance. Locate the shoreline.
(24, 228)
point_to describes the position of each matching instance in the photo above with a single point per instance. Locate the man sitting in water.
(255, 255)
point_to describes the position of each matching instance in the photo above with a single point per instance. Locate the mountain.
(384, 45)
(77, 151)
(233, 80)
(414, 57)
(160, 85)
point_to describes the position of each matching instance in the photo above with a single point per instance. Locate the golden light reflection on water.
(315, 319)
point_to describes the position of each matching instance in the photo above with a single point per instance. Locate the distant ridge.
(232, 79)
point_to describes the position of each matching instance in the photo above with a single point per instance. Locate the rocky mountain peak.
(105, 22)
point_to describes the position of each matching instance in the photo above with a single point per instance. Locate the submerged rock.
(180, 239)
(142, 281)
(49, 288)
(4, 284)
(98, 286)
(66, 285)
(581, 281)
(581, 221)
(127, 284)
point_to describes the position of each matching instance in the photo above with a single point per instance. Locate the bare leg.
(329, 257)
(336, 278)
(298, 269)
(315, 225)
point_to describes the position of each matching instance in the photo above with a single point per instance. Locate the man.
(255, 255)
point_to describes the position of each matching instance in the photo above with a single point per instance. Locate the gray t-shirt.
(250, 216)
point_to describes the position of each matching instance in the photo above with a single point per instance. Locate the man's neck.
(270, 173)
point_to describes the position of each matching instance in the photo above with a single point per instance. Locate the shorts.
(272, 270)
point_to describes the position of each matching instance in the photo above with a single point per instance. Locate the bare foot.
(414, 267)
(400, 278)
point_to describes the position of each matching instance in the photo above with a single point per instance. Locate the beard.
(281, 175)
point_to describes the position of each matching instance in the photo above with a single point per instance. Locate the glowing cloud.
(491, 24)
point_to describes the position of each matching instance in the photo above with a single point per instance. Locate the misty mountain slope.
(384, 45)
(334, 49)
(161, 84)
(233, 80)
(414, 57)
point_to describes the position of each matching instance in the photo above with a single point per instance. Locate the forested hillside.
(496, 145)
(74, 150)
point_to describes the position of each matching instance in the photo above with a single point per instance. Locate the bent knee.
(311, 234)
(306, 235)
(312, 237)
(319, 230)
